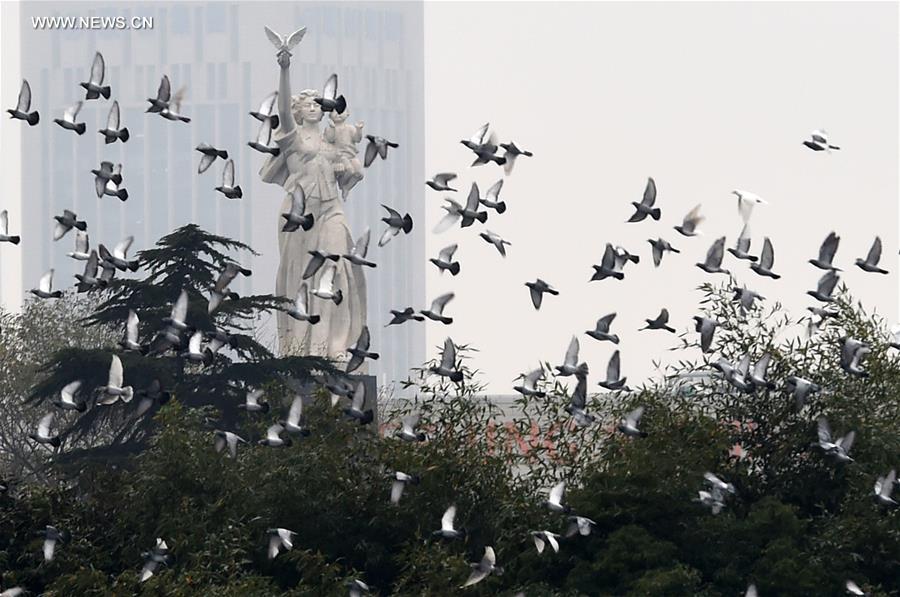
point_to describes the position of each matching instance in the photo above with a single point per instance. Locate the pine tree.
(188, 259)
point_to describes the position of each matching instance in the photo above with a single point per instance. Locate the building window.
(215, 17)
(181, 20)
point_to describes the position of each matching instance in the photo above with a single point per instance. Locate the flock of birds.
(198, 348)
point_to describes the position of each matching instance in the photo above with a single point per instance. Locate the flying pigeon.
(377, 146)
(448, 530)
(766, 260)
(660, 323)
(610, 266)
(89, 280)
(436, 311)
(172, 108)
(570, 364)
(825, 287)
(327, 287)
(613, 380)
(297, 218)
(481, 570)
(152, 394)
(746, 201)
(4, 229)
(399, 482)
(68, 119)
(359, 352)
(52, 536)
(444, 260)
(484, 145)
(43, 432)
(601, 329)
(263, 142)
(854, 589)
(45, 287)
(758, 376)
(554, 501)
(492, 198)
(395, 223)
(741, 248)
(510, 153)
(295, 419)
(645, 207)
(852, 353)
(108, 182)
(23, 105)
(82, 244)
(884, 486)
(688, 226)
(267, 111)
(228, 188)
(220, 289)
(465, 215)
(357, 588)
(153, 558)
(713, 499)
(118, 257)
(227, 439)
(629, 425)
(447, 366)
(801, 389)
(279, 539)
(579, 525)
(300, 308)
(163, 96)
(746, 297)
(94, 86)
(67, 399)
(529, 384)
(818, 141)
(717, 483)
(253, 402)
(113, 131)
(403, 316)
(870, 263)
(66, 222)
(273, 437)
(357, 255)
(210, 154)
(838, 449)
(713, 262)
(129, 341)
(659, 247)
(357, 403)
(706, 327)
(285, 43)
(577, 406)
(543, 538)
(826, 253)
(441, 181)
(537, 290)
(407, 431)
(330, 100)
(114, 390)
(496, 240)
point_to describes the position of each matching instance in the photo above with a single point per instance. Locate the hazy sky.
(705, 97)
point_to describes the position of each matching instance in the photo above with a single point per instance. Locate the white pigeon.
(543, 538)
(399, 483)
(554, 500)
(854, 589)
(447, 530)
(481, 570)
(130, 340)
(746, 202)
(579, 525)
(227, 439)
(43, 432)
(327, 286)
(279, 539)
(300, 309)
(114, 390)
(884, 486)
(629, 425)
(839, 448)
(67, 397)
(294, 421)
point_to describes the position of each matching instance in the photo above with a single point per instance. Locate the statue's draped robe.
(340, 325)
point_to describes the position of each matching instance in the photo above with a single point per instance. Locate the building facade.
(219, 52)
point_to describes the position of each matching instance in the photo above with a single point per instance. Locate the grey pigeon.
(359, 352)
(227, 439)
(273, 437)
(826, 252)
(328, 286)
(45, 287)
(267, 111)
(441, 181)
(741, 249)
(330, 101)
(5, 237)
(818, 141)
(263, 142)
(447, 366)
(766, 260)
(570, 364)
(577, 406)
(610, 266)
(407, 431)
(163, 96)
(378, 146)
(852, 353)
(317, 261)
(357, 404)
(510, 153)
(495, 239)
(157, 556)
(357, 254)
(492, 198)
(407, 314)
(484, 144)
(825, 287)
(82, 245)
(210, 154)
(884, 486)
(601, 329)
(838, 449)
(746, 297)
(758, 375)
(66, 222)
(297, 217)
(279, 539)
(94, 86)
(870, 263)
(661, 246)
(395, 223)
(613, 380)
(706, 327)
(22, 111)
(228, 188)
(645, 207)
(801, 389)
(444, 260)
(629, 424)
(68, 119)
(114, 131)
(436, 311)
(529, 384)
(688, 226)
(537, 290)
(660, 323)
(713, 262)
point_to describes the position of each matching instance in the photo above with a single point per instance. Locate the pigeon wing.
(98, 69)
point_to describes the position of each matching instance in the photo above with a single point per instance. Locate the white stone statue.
(308, 160)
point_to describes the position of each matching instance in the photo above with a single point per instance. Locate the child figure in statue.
(345, 137)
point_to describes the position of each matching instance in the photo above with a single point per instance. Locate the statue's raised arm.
(285, 115)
